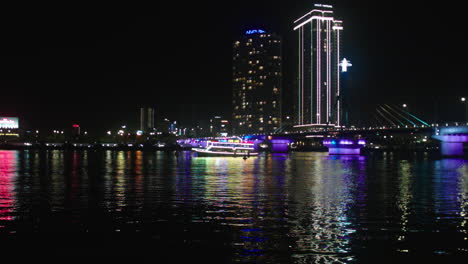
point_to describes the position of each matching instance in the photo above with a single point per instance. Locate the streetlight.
(404, 105)
(463, 99)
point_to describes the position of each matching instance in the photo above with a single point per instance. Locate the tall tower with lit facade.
(318, 101)
(147, 119)
(256, 83)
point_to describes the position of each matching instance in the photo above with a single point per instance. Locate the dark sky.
(95, 65)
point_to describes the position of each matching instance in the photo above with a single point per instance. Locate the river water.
(304, 207)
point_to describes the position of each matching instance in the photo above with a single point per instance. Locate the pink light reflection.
(7, 173)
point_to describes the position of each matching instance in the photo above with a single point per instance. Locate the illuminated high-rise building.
(318, 100)
(256, 83)
(147, 119)
(75, 130)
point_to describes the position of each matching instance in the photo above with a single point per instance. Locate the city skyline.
(63, 69)
(284, 132)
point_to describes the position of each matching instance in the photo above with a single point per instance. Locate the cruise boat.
(228, 147)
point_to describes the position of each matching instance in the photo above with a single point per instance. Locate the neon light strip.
(228, 143)
(336, 28)
(312, 18)
(330, 103)
(314, 10)
(344, 151)
(250, 145)
(302, 76)
(318, 72)
(317, 124)
(338, 77)
(222, 147)
(299, 84)
(328, 72)
(224, 153)
(330, 86)
(9, 134)
(311, 74)
(231, 143)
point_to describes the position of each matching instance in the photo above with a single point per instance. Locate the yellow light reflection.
(404, 198)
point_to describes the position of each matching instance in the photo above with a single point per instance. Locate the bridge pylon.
(451, 139)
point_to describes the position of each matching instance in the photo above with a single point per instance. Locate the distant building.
(219, 127)
(147, 119)
(9, 126)
(163, 126)
(75, 130)
(318, 101)
(256, 83)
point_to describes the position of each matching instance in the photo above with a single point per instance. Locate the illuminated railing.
(344, 146)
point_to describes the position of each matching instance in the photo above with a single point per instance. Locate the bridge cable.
(378, 120)
(400, 114)
(390, 114)
(390, 121)
(418, 119)
(424, 123)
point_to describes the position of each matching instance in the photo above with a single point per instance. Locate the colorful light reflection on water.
(280, 208)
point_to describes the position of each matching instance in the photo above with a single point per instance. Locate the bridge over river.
(451, 137)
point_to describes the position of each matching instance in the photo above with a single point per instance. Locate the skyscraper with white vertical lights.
(318, 99)
(256, 83)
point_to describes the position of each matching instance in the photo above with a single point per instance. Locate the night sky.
(96, 65)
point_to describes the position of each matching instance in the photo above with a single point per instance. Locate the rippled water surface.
(294, 208)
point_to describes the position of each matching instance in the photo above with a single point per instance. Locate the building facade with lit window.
(219, 127)
(256, 83)
(147, 119)
(9, 127)
(318, 101)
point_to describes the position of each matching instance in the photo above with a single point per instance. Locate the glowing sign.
(9, 122)
(326, 6)
(345, 64)
(254, 31)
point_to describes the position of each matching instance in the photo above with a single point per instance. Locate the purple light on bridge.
(344, 146)
(280, 145)
(344, 151)
(452, 145)
(452, 138)
(346, 142)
